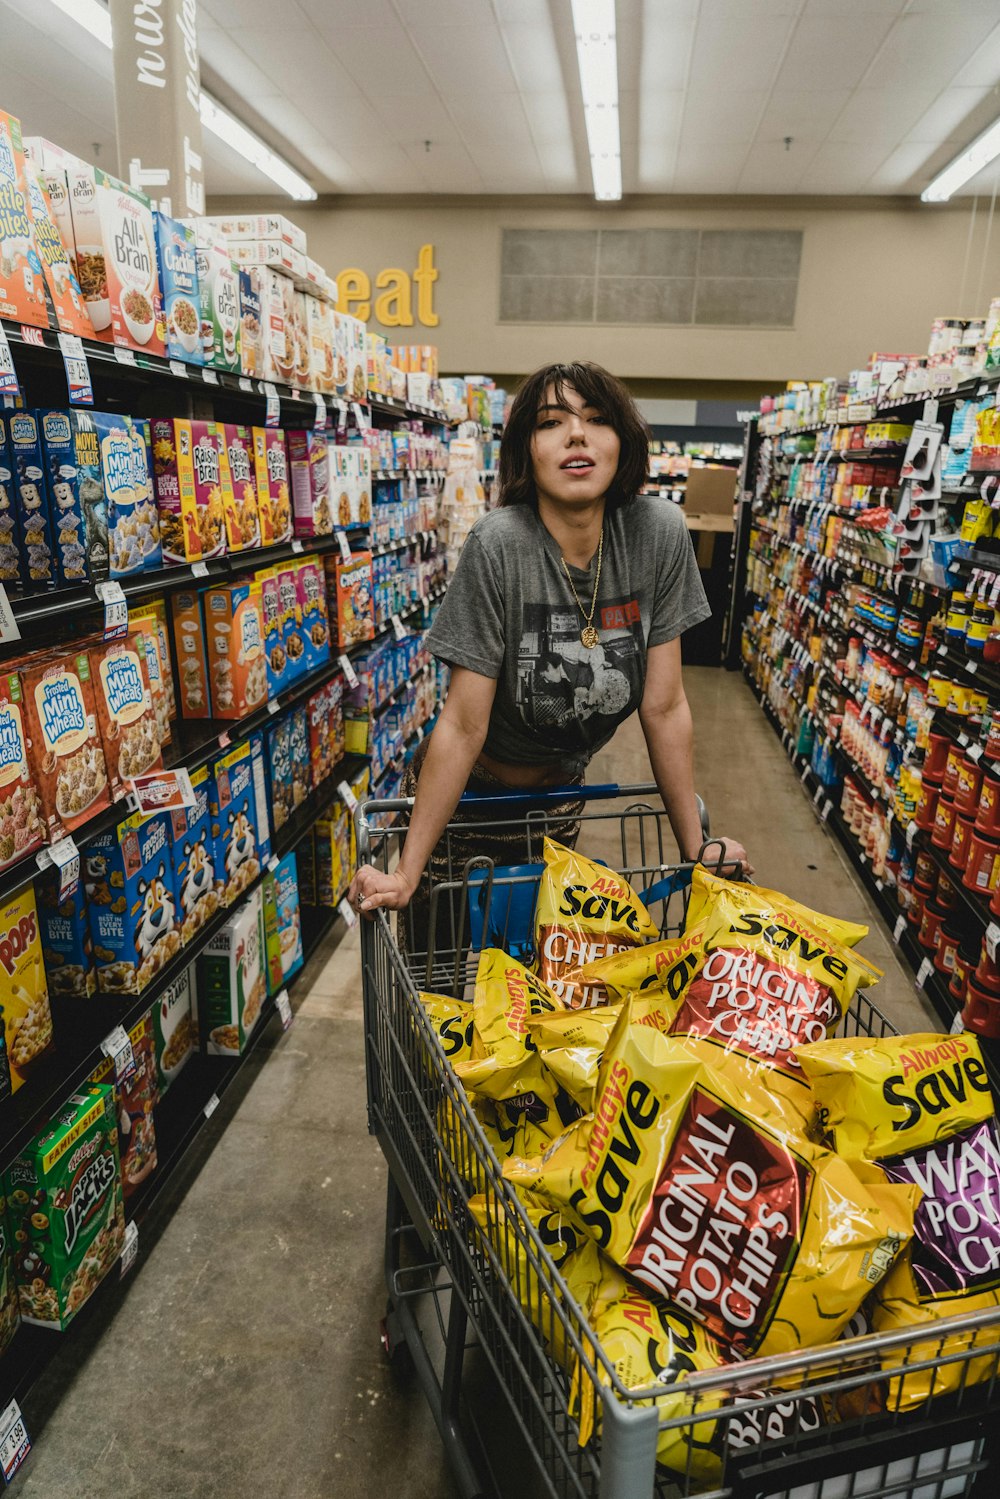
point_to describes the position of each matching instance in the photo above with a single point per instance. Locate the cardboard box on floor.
(709, 497)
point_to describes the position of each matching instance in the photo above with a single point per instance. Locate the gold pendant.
(589, 636)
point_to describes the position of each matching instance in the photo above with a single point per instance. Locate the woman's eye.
(548, 422)
(601, 421)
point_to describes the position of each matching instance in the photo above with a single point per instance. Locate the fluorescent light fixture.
(597, 59)
(984, 149)
(96, 18)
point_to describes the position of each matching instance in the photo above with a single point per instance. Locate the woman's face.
(574, 450)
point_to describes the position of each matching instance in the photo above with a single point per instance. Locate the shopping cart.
(476, 1307)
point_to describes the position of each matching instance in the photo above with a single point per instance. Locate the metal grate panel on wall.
(742, 278)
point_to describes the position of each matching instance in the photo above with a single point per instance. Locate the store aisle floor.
(245, 1352)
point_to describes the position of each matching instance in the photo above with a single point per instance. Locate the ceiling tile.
(906, 168)
(948, 116)
(235, 15)
(732, 48)
(885, 115)
(461, 59)
(852, 8)
(418, 14)
(331, 20)
(801, 113)
(728, 119)
(382, 61)
(547, 116)
(666, 47)
(840, 168)
(446, 169)
(830, 51)
(771, 168)
(927, 48)
(534, 56)
(983, 68)
(224, 55)
(705, 169)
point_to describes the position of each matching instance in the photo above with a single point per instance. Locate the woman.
(564, 617)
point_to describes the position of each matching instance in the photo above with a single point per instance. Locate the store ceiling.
(876, 95)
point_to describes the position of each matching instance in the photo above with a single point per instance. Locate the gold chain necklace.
(588, 634)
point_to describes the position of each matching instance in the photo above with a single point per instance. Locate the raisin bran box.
(177, 252)
(245, 533)
(135, 1099)
(198, 875)
(22, 820)
(72, 459)
(273, 484)
(189, 478)
(34, 522)
(174, 1028)
(131, 901)
(65, 1206)
(125, 710)
(24, 994)
(232, 981)
(64, 741)
(67, 950)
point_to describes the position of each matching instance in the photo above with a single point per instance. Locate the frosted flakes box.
(178, 257)
(22, 820)
(125, 710)
(32, 497)
(191, 655)
(23, 295)
(68, 313)
(273, 488)
(232, 981)
(251, 330)
(24, 994)
(199, 878)
(116, 259)
(64, 1200)
(235, 812)
(64, 741)
(135, 1099)
(129, 879)
(71, 455)
(245, 533)
(66, 946)
(289, 919)
(174, 1028)
(234, 633)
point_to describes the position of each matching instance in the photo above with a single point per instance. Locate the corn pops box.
(24, 994)
(177, 252)
(71, 454)
(174, 1017)
(23, 295)
(135, 1098)
(68, 314)
(245, 532)
(198, 876)
(35, 524)
(66, 946)
(273, 491)
(65, 1206)
(132, 903)
(232, 981)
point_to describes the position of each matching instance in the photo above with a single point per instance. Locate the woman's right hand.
(370, 889)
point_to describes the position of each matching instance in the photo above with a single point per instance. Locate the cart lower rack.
(821, 1423)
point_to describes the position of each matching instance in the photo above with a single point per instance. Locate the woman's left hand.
(726, 852)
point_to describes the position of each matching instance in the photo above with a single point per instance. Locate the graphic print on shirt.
(561, 684)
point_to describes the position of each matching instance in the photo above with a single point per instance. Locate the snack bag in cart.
(921, 1109)
(504, 1065)
(690, 1178)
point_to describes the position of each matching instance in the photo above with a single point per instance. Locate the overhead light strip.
(597, 60)
(968, 164)
(96, 18)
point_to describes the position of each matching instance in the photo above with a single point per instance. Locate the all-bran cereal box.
(274, 642)
(177, 252)
(11, 556)
(191, 654)
(273, 491)
(235, 811)
(135, 1098)
(64, 1201)
(234, 632)
(116, 257)
(22, 819)
(10, 1316)
(242, 474)
(174, 1028)
(199, 878)
(232, 981)
(289, 917)
(23, 295)
(131, 902)
(71, 456)
(251, 331)
(32, 497)
(66, 946)
(24, 995)
(145, 623)
(64, 741)
(125, 710)
(272, 941)
(68, 314)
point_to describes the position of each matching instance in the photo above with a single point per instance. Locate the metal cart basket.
(821, 1423)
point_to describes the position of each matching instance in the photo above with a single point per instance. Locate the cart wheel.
(394, 1343)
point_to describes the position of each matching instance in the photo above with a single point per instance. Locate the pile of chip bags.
(715, 1178)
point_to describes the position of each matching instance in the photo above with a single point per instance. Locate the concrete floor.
(244, 1355)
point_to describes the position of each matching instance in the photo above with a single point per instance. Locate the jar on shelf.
(968, 786)
(957, 618)
(949, 937)
(981, 1011)
(982, 873)
(988, 810)
(982, 622)
(949, 784)
(926, 813)
(936, 758)
(944, 823)
(931, 920)
(961, 838)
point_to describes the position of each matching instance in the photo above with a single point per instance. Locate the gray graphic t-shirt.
(509, 614)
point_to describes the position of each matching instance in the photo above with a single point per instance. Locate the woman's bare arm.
(452, 751)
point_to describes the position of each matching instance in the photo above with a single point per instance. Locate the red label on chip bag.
(722, 1227)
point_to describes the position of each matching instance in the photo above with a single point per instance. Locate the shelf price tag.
(246, 384)
(957, 1025)
(65, 855)
(321, 413)
(126, 356)
(348, 912)
(210, 376)
(345, 545)
(347, 795)
(924, 972)
(273, 405)
(992, 938)
(399, 629)
(211, 1106)
(130, 1248)
(118, 1047)
(8, 374)
(162, 791)
(911, 833)
(81, 391)
(199, 569)
(115, 610)
(899, 929)
(8, 624)
(15, 1444)
(284, 1006)
(348, 670)
(178, 368)
(297, 544)
(361, 415)
(827, 809)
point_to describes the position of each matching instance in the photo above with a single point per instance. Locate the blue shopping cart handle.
(548, 794)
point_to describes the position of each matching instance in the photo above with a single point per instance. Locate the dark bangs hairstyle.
(600, 389)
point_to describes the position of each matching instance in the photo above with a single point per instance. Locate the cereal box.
(310, 478)
(230, 510)
(147, 525)
(241, 227)
(272, 941)
(320, 327)
(303, 352)
(362, 459)
(131, 902)
(23, 296)
(32, 497)
(335, 688)
(24, 995)
(274, 647)
(243, 479)
(198, 876)
(340, 351)
(116, 258)
(192, 657)
(258, 762)
(66, 946)
(273, 492)
(332, 849)
(10, 1317)
(174, 1028)
(278, 344)
(22, 820)
(306, 856)
(251, 332)
(53, 164)
(189, 488)
(178, 258)
(318, 709)
(289, 919)
(311, 599)
(291, 621)
(232, 983)
(219, 283)
(342, 485)
(125, 710)
(158, 609)
(357, 358)
(66, 307)
(64, 741)
(135, 1098)
(279, 757)
(235, 811)
(355, 619)
(299, 750)
(64, 1201)
(71, 455)
(146, 624)
(118, 472)
(11, 557)
(234, 632)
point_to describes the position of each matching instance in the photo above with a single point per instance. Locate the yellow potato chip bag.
(921, 1108)
(453, 1021)
(584, 912)
(571, 1042)
(504, 1064)
(689, 1178)
(705, 888)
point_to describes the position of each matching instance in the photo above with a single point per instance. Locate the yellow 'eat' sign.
(394, 306)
